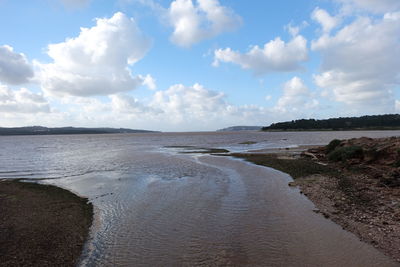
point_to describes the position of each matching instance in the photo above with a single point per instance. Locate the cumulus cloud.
(22, 101)
(178, 108)
(195, 107)
(360, 63)
(14, 67)
(205, 19)
(96, 62)
(149, 81)
(296, 97)
(374, 6)
(275, 56)
(127, 104)
(188, 102)
(294, 30)
(327, 21)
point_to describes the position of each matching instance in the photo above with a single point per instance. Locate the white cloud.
(96, 62)
(181, 103)
(127, 104)
(178, 108)
(397, 105)
(360, 63)
(327, 21)
(294, 30)
(182, 108)
(14, 67)
(275, 56)
(296, 97)
(21, 101)
(374, 6)
(149, 81)
(196, 22)
(395, 16)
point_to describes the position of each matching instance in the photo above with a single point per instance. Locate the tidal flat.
(155, 206)
(355, 183)
(41, 225)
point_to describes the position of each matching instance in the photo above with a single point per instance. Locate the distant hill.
(376, 122)
(39, 130)
(240, 128)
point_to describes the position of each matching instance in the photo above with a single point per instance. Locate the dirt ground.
(41, 225)
(370, 212)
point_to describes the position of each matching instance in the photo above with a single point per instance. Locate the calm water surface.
(158, 207)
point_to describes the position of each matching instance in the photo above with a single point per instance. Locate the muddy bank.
(41, 225)
(354, 182)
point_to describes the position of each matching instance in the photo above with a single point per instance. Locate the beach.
(41, 225)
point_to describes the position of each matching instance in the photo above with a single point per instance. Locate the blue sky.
(188, 65)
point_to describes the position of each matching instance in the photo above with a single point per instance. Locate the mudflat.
(41, 225)
(356, 184)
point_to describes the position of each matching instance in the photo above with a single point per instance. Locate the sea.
(156, 205)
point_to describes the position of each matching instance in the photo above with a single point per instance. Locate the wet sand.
(361, 194)
(155, 206)
(280, 227)
(227, 212)
(41, 225)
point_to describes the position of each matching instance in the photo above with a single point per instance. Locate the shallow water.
(157, 207)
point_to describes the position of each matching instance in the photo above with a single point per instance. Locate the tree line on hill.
(375, 122)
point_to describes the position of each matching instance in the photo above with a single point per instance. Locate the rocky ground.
(41, 225)
(355, 183)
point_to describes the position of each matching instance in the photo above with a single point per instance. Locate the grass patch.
(296, 168)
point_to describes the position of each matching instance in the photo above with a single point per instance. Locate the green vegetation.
(332, 145)
(296, 168)
(345, 153)
(376, 122)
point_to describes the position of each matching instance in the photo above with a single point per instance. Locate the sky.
(196, 65)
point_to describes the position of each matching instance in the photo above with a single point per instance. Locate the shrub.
(332, 145)
(345, 153)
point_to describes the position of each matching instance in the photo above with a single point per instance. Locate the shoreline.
(42, 225)
(349, 194)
